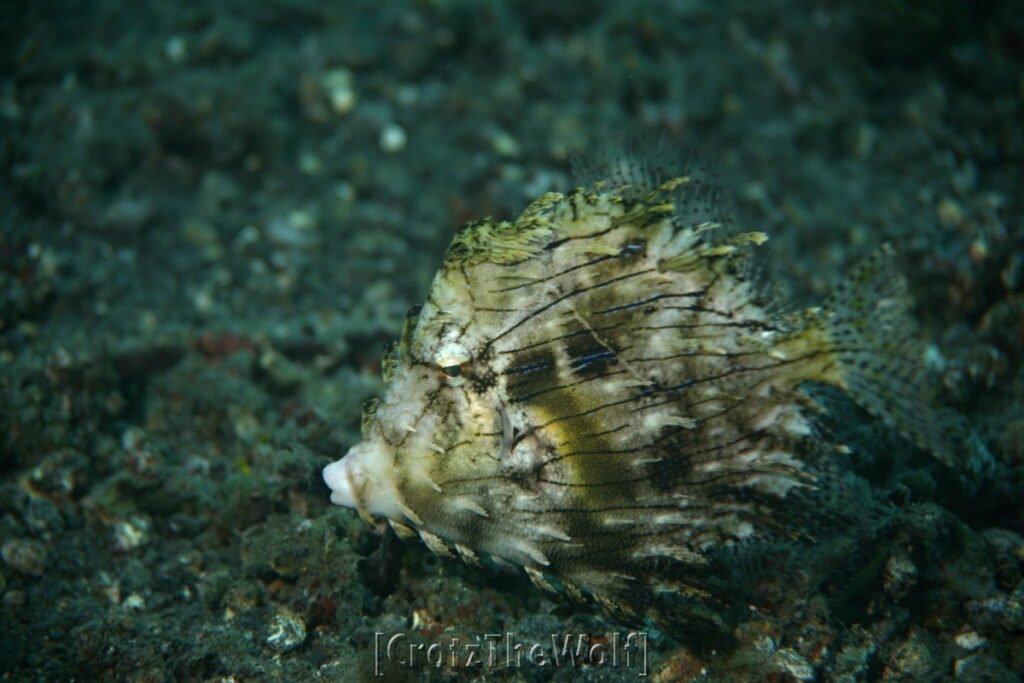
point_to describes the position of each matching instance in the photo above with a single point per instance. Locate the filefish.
(600, 394)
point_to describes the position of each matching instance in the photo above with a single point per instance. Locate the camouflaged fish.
(596, 393)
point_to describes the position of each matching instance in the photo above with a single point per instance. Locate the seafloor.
(214, 215)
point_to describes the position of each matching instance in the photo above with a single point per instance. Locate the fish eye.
(451, 354)
(453, 360)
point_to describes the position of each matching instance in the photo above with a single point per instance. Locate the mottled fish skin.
(594, 392)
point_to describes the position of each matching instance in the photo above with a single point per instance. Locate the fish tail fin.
(880, 364)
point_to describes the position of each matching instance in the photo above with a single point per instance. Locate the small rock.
(504, 144)
(15, 598)
(176, 49)
(914, 658)
(392, 138)
(792, 663)
(287, 631)
(339, 88)
(241, 596)
(134, 603)
(970, 640)
(132, 532)
(1012, 616)
(900, 577)
(25, 555)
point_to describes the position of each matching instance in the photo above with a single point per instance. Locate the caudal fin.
(871, 334)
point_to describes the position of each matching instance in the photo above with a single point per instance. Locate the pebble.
(504, 144)
(134, 603)
(15, 598)
(900, 577)
(287, 631)
(392, 138)
(970, 640)
(176, 49)
(792, 663)
(339, 88)
(132, 532)
(25, 555)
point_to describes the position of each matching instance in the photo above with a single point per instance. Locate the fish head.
(434, 449)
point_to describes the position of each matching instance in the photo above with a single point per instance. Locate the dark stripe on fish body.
(565, 271)
(567, 335)
(568, 295)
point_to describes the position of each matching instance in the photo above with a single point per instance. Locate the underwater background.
(214, 217)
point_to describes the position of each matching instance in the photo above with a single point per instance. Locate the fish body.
(595, 392)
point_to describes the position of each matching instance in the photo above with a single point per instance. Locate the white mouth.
(342, 478)
(365, 480)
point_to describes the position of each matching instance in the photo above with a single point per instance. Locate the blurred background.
(214, 216)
